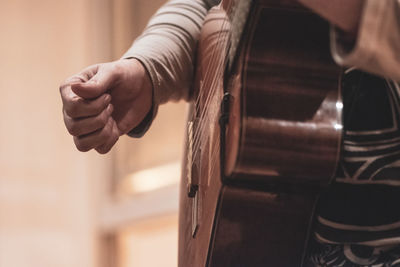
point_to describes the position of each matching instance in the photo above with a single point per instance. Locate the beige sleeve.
(167, 50)
(377, 48)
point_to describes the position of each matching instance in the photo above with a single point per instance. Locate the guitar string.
(211, 92)
(221, 42)
(200, 130)
(211, 66)
(206, 116)
(219, 35)
(204, 119)
(204, 96)
(225, 22)
(216, 145)
(212, 87)
(198, 135)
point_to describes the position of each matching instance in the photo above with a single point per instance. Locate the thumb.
(96, 86)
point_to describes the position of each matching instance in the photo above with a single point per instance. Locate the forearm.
(374, 27)
(167, 47)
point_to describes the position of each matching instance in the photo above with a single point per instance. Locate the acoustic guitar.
(263, 135)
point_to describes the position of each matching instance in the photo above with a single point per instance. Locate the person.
(357, 221)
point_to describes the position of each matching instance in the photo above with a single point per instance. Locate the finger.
(81, 77)
(96, 85)
(106, 147)
(65, 89)
(78, 127)
(77, 107)
(87, 73)
(87, 142)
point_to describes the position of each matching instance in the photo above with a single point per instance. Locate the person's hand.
(105, 101)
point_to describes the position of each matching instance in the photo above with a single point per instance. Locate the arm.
(108, 100)
(366, 33)
(167, 50)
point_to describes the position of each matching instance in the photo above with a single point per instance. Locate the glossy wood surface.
(257, 229)
(288, 108)
(282, 139)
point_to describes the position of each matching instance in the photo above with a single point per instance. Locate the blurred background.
(60, 207)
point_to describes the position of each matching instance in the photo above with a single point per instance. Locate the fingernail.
(110, 109)
(107, 98)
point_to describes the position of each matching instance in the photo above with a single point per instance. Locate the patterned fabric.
(326, 255)
(358, 218)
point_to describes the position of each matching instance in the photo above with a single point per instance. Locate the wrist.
(146, 86)
(141, 78)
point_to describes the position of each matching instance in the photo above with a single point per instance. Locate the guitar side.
(201, 182)
(282, 139)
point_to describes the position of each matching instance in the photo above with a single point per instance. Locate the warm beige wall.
(47, 189)
(140, 242)
(50, 194)
(129, 19)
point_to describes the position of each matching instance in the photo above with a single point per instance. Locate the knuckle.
(106, 132)
(109, 124)
(101, 105)
(73, 129)
(69, 124)
(103, 119)
(102, 150)
(105, 148)
(82, 147)
(67, 82)
(72, 108)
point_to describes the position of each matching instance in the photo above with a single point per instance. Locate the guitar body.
(263, 136)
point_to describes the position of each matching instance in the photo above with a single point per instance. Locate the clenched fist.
(105, 101)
